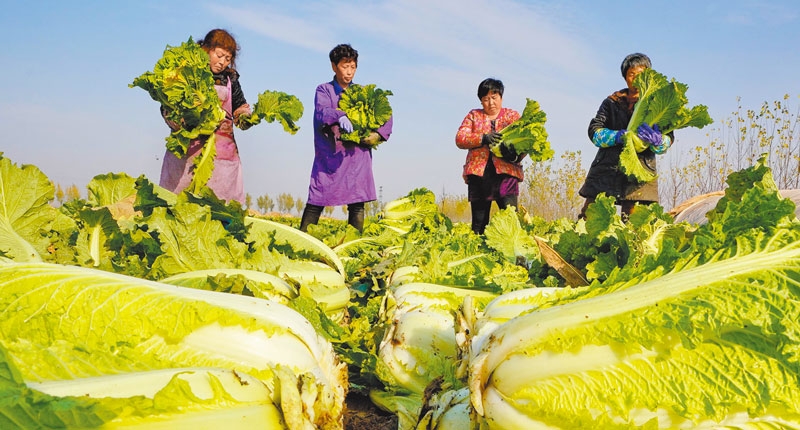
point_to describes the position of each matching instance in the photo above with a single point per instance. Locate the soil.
(362, 414)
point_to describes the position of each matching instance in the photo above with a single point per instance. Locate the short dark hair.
(341, 52)
(633, 60)
(490, 85)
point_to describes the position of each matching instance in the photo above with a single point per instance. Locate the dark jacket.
(604, 174)
(236, 89)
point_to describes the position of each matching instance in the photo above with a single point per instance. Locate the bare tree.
(73, 193)
(735, 144)
(285, 202)
(265, 203)
(550, 189)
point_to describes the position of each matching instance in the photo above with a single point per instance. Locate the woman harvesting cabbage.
(226, 180)
(606, 131)
(489, 177)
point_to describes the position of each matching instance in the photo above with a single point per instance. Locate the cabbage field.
(139, 308)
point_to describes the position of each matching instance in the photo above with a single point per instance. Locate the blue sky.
(66, 106)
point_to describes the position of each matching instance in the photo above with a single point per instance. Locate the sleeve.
(467, 137)
(236, 92)
(601, 119)
(666, 143)
(386, 129)
(325, 111)
(605, 137)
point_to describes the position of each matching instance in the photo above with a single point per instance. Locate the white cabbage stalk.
(267, 286)
(298, 240)
(710, 346)
(507, 306)
(449, 410)
(171, 399)
(64, 322)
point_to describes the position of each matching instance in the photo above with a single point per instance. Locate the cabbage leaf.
(276, 106)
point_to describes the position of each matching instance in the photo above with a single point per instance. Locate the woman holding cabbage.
(342, 170)
(226, 181)
(489, 177)
(606, 131)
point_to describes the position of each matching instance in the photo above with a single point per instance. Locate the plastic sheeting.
(694, 210)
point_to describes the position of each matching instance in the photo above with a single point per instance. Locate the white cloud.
(274, 24)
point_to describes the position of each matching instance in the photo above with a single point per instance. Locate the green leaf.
(276, 106)
(527, 135)
(25, 213)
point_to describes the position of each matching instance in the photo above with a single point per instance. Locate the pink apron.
(226, 181)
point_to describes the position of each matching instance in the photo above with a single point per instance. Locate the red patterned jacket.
(469, 136)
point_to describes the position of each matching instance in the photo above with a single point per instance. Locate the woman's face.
(492, 103)
(219, 59)
(344, 71)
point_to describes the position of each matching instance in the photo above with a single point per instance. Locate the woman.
(606, 130)
(341, 173)
(488, 178)
(226, 181)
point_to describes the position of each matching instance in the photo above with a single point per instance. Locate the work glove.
(508, 153)
(345, 125)
(491, 139)
(618, 136)
(373, 139)
(651, 136)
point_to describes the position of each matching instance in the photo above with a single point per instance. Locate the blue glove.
(345, 124)
(649, 135)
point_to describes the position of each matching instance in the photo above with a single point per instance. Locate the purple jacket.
(342, 173)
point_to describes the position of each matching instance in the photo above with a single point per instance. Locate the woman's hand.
(373, 139)
(239, 112)
(174, 126)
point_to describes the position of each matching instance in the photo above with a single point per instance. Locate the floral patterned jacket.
(470, 134)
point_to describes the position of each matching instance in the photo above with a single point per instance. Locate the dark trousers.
(626, 207)
(355, 215)
(483, 190)
(482, 208)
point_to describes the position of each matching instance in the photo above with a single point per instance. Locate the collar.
(336, 87)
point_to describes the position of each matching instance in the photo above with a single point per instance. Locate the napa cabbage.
(367, 107)
(701, 336)
(662, 102)
(527, 135)
(63, 323)
(420, 345)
